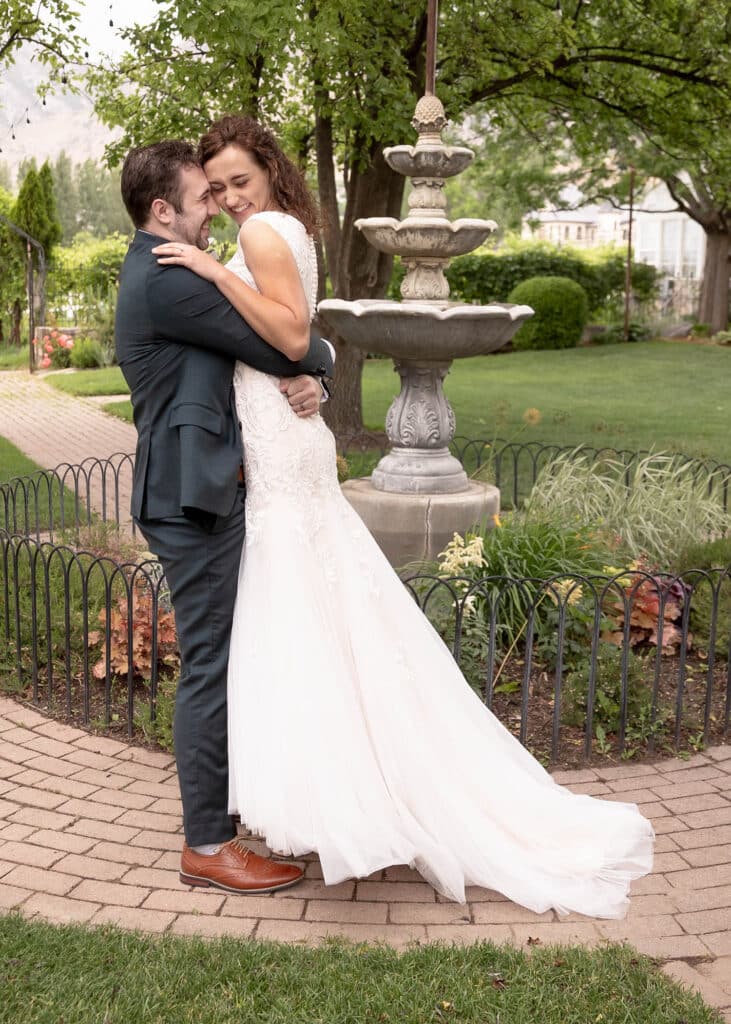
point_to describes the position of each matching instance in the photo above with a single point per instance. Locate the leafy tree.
(12, 275)
(339, 82)
(35, 213)
(47, 27)
(513, 171)
(67, 198)
(100, 206)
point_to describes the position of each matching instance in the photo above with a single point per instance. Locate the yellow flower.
(532, 417)
(567, 590)
(497, 520)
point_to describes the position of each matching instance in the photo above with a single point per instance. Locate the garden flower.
(459, 554)
(48, 348)
(566, 590)
(497, 521)
(45, 362)
(532, 417)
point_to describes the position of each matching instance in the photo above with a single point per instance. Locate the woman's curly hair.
(289, 190)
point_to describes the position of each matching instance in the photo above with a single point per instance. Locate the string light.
(41, 100)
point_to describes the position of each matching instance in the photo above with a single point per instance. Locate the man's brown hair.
(153, 172)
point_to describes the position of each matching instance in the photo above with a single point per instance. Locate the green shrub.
(561, 310)
(86, 354)
(490, 275)
(608, 689)
(637, 331)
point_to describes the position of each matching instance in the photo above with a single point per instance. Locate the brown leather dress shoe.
(236, 868)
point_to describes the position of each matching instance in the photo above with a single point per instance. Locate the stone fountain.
(419, 494)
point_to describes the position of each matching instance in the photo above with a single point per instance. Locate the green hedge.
(561, 310)
(485, 277)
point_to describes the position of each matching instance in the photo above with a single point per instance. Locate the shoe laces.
(238, 844)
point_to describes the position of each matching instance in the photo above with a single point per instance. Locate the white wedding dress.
(352, 731)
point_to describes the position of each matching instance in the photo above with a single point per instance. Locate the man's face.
(191, 225)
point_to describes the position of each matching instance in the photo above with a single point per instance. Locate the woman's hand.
(178, 254)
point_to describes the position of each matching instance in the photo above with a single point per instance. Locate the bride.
(351, 729)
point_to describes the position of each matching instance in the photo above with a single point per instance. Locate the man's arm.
(190, 310)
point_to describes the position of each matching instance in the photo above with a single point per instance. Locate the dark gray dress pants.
(201, 563)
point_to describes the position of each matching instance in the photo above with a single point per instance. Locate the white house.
(661, 235)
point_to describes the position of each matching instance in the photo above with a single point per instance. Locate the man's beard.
(186, 233)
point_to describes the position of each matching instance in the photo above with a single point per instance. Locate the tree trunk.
(361, 273)
(715, 289)
(17, 317)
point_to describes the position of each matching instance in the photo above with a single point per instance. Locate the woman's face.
(238, 183)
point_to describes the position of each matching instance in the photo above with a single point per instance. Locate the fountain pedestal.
(416, 527)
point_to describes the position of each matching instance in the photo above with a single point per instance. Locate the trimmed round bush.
(561, 311)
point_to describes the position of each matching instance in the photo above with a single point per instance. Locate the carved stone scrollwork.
(425, 280)
(420, 424)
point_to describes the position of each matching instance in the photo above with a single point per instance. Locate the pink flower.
(45, 362)
(69, 343)
(48, 347)
(54, 333)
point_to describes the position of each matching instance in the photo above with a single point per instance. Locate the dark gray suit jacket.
(177, 338)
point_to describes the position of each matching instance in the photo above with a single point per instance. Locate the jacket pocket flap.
(191, 414)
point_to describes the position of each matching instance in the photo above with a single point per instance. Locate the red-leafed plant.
(655, 608)
(140, 657)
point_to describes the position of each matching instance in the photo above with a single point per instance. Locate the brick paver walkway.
(52, 428)
(90, 831)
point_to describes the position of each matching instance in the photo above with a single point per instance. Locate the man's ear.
(161, 211)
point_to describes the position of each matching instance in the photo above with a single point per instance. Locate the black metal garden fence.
(575, 665)
(55, 502)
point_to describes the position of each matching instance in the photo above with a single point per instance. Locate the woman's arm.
(279, 311)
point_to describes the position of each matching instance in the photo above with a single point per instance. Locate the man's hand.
(304, 394)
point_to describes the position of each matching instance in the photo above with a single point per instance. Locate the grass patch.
(13, 463)
(104, 381)
(123, 410)
(56, 974)
(646, 395)
(14, 358)
(24, 502)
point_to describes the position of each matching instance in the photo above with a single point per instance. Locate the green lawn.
(123, 410)
(13, 463)
(13, 358)
(106, 381)
(49, 975)
(658, 394)
(665, 395)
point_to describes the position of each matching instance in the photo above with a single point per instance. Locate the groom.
(177, 339)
